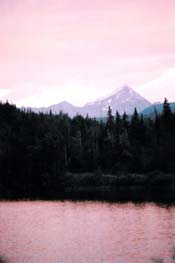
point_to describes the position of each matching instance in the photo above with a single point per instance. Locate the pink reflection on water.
(85, 232)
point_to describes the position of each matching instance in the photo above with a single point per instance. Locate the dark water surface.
(85, 232)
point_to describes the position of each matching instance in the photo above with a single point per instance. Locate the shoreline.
(122, 187)
(151, 187)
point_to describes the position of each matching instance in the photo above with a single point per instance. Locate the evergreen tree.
(110, 120)
(167, 116)
(37, 150)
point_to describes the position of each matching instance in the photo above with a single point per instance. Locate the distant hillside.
(63, 106)
(150, 111)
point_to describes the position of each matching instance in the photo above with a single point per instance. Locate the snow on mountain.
(122, 100)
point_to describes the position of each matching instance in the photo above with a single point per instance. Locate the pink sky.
(54, 50)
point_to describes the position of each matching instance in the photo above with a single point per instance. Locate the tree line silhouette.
(38, 150)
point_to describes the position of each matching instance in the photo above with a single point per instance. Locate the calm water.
(85, 232)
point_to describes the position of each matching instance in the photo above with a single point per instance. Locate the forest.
(44, 156)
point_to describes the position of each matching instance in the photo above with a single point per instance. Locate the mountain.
(158, 107)
(122, 100)
(63, 106)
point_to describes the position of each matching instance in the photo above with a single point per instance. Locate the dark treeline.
(38, 150)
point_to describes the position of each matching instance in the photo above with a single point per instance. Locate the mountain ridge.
(124, 99)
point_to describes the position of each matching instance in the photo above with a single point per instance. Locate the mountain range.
(124, 99)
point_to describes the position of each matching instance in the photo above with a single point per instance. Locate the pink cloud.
(100, 42)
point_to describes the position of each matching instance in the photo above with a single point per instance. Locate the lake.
(85, 232)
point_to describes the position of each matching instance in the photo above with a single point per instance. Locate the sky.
(79, 50)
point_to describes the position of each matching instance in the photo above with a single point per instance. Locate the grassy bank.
(154, 186)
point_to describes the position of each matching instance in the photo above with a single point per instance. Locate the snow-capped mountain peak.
(122, 100)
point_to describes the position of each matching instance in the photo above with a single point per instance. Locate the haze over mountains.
(157, 89)
(122, 100)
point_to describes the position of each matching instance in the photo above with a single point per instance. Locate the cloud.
(4, 94)
(45, 45)
(159, 88)
(75, 93)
